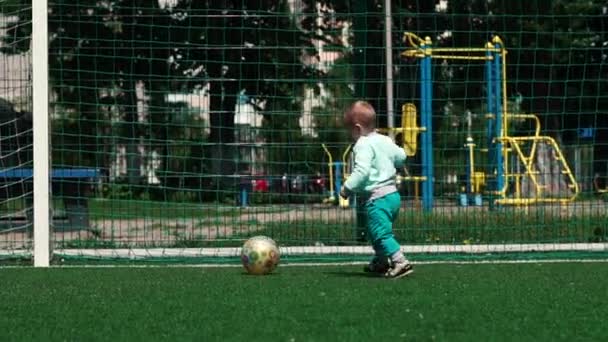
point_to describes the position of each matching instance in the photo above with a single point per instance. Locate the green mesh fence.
(15, 133)
(181, 128)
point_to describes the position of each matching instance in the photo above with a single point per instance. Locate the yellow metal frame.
(527, 159)
(478, 179)
(341, 201)
(409, 129)
(331, 174)
(417, 180)
(510, 143)
(345, 157)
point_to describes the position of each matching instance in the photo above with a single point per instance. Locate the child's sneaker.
(399, 270)
(377, 265)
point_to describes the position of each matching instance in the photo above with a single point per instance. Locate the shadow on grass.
(267, 275)
(353, 274)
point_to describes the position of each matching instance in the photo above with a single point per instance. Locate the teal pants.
(377, 218)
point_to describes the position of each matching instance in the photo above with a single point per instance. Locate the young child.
(376, 158)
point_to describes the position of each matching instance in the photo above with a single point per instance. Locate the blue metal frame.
(500, 172)
(495, 122)
(491, 129)
(23, 173)
(338, 178)
(493, 71)
(426, 93)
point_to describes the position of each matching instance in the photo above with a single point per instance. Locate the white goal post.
(40, 67)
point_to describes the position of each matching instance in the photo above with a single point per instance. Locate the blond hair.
(361, 113)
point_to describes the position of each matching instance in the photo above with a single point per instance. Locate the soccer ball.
(260, 255)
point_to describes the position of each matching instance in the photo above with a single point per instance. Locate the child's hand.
(344, 192)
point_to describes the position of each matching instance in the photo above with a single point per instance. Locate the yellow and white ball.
(260, 255)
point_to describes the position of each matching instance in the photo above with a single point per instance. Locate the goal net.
(15, 132)
(179, 129)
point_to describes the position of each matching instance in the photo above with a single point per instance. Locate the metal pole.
(500, 125)
(491, 125)
(388, 27)
(40, 125)
(427, 122)
(429, 130)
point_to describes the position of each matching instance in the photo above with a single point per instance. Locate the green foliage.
(9, 7)
(100, 50)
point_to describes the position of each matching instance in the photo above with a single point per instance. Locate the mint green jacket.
(376, 158)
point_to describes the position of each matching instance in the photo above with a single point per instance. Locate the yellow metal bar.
(401, 129)
(529, 201)
(409, 128)
(471, 147)
(470, 58)
(528, 166)
(427, 42)
(344, 161)
(481, 49)
(412, 178)
(420, 54)
(331, 172)
(536, 131)
(529, 116)
(412, 53)
(409, 37)
(479, 179)
(416, 180)
(416, 51)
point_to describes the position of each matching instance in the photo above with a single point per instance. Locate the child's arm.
(363, 154)
(399, 157)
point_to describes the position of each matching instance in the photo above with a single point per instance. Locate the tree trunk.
(221, 152)
(131, 134)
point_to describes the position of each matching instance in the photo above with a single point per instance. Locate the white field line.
(136, 253)
(317, 264)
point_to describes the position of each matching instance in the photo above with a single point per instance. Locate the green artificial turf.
(490, 302)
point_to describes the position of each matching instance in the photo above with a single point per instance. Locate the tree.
(101, 50)
(10, 7)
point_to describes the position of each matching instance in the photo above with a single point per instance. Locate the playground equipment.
(528, 156)
(335, 179)
(498, 179)
(409, 130)
(476, 180)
